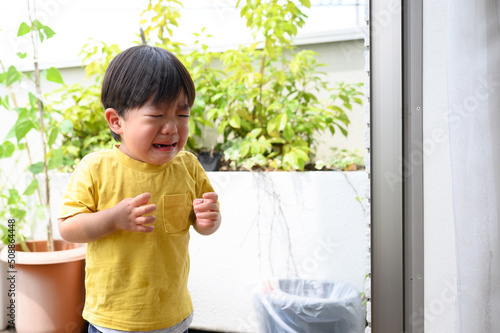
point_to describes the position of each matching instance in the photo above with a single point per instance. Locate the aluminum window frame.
(397, 257)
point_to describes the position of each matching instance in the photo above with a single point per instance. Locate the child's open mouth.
(163, 147)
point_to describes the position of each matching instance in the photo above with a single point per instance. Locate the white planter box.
(276, 224)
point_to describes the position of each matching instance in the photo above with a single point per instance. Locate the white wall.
(440, 267)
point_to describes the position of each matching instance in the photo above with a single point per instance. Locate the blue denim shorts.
(93, 329)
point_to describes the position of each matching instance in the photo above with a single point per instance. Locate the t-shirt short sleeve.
(80, 195)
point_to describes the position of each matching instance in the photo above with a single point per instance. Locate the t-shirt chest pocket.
(176, 211)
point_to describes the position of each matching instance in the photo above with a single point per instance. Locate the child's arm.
(128, 214)
(207, 212)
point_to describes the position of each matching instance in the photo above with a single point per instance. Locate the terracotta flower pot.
(49, 287)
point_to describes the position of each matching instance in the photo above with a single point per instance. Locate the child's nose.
(170, 127)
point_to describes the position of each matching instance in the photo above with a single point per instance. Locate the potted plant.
(47, 275)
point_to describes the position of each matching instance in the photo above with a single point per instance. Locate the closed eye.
(155, 116)
(184, 115)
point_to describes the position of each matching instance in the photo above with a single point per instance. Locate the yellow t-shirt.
(137, 281)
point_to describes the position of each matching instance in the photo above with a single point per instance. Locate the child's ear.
(114, 120)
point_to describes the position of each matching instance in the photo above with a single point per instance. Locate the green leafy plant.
(262, 98)
(342, 159)
(81, 106)
(33, 117)
(265, 98)
(81, 102)
(160, 19)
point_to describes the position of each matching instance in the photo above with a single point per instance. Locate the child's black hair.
(141, 74)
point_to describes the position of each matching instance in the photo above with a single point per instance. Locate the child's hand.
(207, 212)
(129, 214)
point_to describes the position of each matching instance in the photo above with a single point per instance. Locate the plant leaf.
(235, 121)
(288, 133)
(53, 75)
(66, 126)
(269, 47)
(8, 149)
(22, 128)
(37, 25)
(40, 212)
(245, 148)
(283, 121)
(12, 133)
(306, 3)
(52, 136)
(13, 197)
(280, 77)
(31, 188)
(5, 102)
(33, 100)
(13, 75)
(48, 31)
(23, 29)
(56, 160)
(254, 133)
(36, 168)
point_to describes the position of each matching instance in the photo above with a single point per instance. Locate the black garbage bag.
(302, 306)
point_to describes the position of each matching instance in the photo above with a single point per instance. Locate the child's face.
(155, 134)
